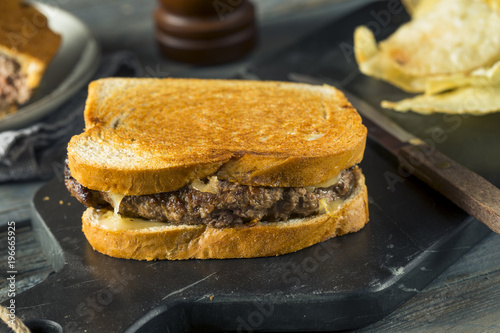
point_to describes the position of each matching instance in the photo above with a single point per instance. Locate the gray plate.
(73, 66)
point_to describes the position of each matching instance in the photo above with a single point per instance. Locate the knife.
(466, 189)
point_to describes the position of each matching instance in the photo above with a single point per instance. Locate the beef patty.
(230, 204)
(14, 88)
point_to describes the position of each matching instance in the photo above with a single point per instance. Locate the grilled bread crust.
(145, 136)
(176, 242)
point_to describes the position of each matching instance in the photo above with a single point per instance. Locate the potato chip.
(419, 7)
(478, 100)
(373, 63)
(365, 45)
(479, 77)
(445, 37)
(495, 4)
(410, 5)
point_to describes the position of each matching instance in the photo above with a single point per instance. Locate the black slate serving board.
(347, 282)
(413, 235)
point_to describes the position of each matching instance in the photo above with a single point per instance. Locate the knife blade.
(465, 188)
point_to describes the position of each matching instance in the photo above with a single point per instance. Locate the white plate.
(73, 66)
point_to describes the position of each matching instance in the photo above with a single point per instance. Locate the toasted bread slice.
(146, 240)
(145, 136)
(26, 37)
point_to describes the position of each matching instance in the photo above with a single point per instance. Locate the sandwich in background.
(189, 168)
(27, 45)
(449, 51)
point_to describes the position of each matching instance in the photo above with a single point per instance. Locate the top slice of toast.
(146, 136)
(25, 35)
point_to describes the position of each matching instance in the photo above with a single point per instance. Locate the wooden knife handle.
(468, 190)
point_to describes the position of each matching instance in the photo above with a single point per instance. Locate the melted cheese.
(112, 221)
(330, 207)
(328, 183)
(117, 200)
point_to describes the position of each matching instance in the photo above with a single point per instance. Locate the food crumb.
(212, 297)
(61, 202)
(69, 203)
(397, 271)
(46, 198)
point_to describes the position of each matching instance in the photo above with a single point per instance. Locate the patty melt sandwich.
(27, 45)
(189, 168)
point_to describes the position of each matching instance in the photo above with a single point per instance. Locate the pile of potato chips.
(449, 51)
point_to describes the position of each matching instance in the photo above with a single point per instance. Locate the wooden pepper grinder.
(205, 32)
